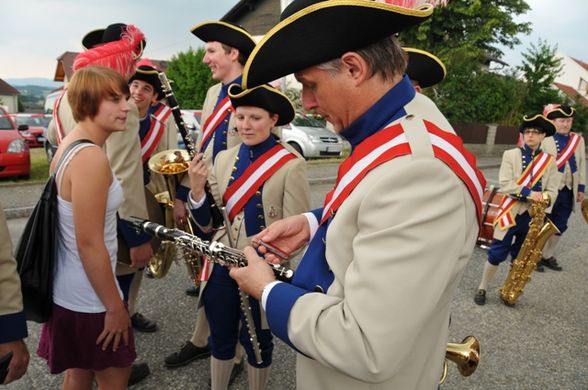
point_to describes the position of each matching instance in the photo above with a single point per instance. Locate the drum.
(490, 207)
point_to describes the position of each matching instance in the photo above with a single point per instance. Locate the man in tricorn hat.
(386, 252)
(118, 46)
(227, 47)
(570, 150)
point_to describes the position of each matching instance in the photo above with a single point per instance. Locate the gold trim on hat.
(225, 24)
(427, 54)
(571, 114)
(421, 11)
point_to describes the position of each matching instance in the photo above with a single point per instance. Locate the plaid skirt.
(68, 340)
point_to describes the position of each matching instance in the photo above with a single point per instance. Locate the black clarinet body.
(215, 251)
(216, 215)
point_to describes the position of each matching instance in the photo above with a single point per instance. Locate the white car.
(309, 136)
(191, 120)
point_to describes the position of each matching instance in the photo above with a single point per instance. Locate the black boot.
(187, 353)
(139, 371)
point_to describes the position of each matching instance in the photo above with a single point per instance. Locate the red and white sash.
(59, 134)
(244, 187)
(568, 151)
(222, 110)
(390, 143)
(530, 176)
(156, 129)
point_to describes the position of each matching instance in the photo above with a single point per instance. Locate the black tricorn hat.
(111, 33)
(562, 111)
(538, 122)
(266, 97)
(227, 33)
(424, 68)
(149, 74)
(315, 31)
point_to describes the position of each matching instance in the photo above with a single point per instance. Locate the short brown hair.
(89, 86)
(242, 59)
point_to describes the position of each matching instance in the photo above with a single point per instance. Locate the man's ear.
(234, 54)
(355, 67)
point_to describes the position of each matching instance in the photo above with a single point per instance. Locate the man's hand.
(180, 212)
(288, 234)
(140, 255)
(580, 197)
(253, 278)
(20, 360)
(536, 196)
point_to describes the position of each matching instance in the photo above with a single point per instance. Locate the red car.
(37, 123)
(15, 159)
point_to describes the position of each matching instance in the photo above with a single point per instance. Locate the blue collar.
(253, 152)
(225, 87)
(389, 108)
(529, 152)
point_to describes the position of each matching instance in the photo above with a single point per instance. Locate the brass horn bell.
(465, 354)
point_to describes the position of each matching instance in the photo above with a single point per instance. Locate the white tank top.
(71, 287)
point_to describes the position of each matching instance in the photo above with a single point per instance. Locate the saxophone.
(540, 230)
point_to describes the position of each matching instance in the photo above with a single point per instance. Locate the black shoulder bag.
(37, 249)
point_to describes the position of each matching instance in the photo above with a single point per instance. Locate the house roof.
(581, 63)
(65, 62)
(7, 89)
(242, 7)
(572, 93)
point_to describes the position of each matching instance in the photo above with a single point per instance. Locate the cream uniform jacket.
(123, 149)
(396, 247)
(284, 194)
(168, 141)
(13, 324)
(511, 168)
(578, 177)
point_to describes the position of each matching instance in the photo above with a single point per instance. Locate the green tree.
(540, 67)
(481, 25)
(191, 78)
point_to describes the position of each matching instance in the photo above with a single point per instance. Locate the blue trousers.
(222, 305)
(562, 209)
(512, 241)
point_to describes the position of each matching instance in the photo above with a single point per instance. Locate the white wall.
(571, 73)
(10, 102)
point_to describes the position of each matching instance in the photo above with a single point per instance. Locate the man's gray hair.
(385, 57)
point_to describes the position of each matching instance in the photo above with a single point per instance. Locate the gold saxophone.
(540, 230)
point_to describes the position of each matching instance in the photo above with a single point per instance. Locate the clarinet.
(215, 251)
(217, 218)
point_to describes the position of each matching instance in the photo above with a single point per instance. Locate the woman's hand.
(116, 327)
(198, 175)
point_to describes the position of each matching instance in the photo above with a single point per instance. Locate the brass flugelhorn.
(171, 165)
(584, 209)
(465, 354)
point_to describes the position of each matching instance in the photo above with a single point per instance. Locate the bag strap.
(67, 155)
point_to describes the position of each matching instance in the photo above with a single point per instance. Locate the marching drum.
(490, 207)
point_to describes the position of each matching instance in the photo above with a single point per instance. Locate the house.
(573, 79)
(64, 69)
(8, 96)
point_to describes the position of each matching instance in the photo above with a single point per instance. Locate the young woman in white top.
(88, 335)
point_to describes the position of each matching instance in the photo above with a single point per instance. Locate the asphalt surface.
(541, 343)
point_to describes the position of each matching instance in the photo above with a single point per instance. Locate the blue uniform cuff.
(318, 213)
(525, 191)
(581, 188)
(13, 326)
(131, 236)
(182, 193)
(279, 304)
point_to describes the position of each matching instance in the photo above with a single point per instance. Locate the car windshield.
(31, 121)
(5, 123)
(309, 121)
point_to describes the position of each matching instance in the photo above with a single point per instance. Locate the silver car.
(309, 136)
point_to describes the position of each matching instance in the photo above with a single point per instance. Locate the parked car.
(15, 159)
(50, 149)
(37, 124)
(309, 136)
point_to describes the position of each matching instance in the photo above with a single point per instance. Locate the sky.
(33, 33)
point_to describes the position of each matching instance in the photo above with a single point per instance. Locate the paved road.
(541, 343)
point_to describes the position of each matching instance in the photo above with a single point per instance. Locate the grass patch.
(39, 170)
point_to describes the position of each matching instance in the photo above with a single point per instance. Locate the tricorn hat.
(266, 97)
(538, 122)
(315, 31)
(148, 73)
(111, 33)
(424, 68)
(227, 33)
(561, 111)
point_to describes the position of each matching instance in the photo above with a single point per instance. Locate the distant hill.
(39, 81)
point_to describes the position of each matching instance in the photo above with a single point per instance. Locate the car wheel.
(296, 148)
